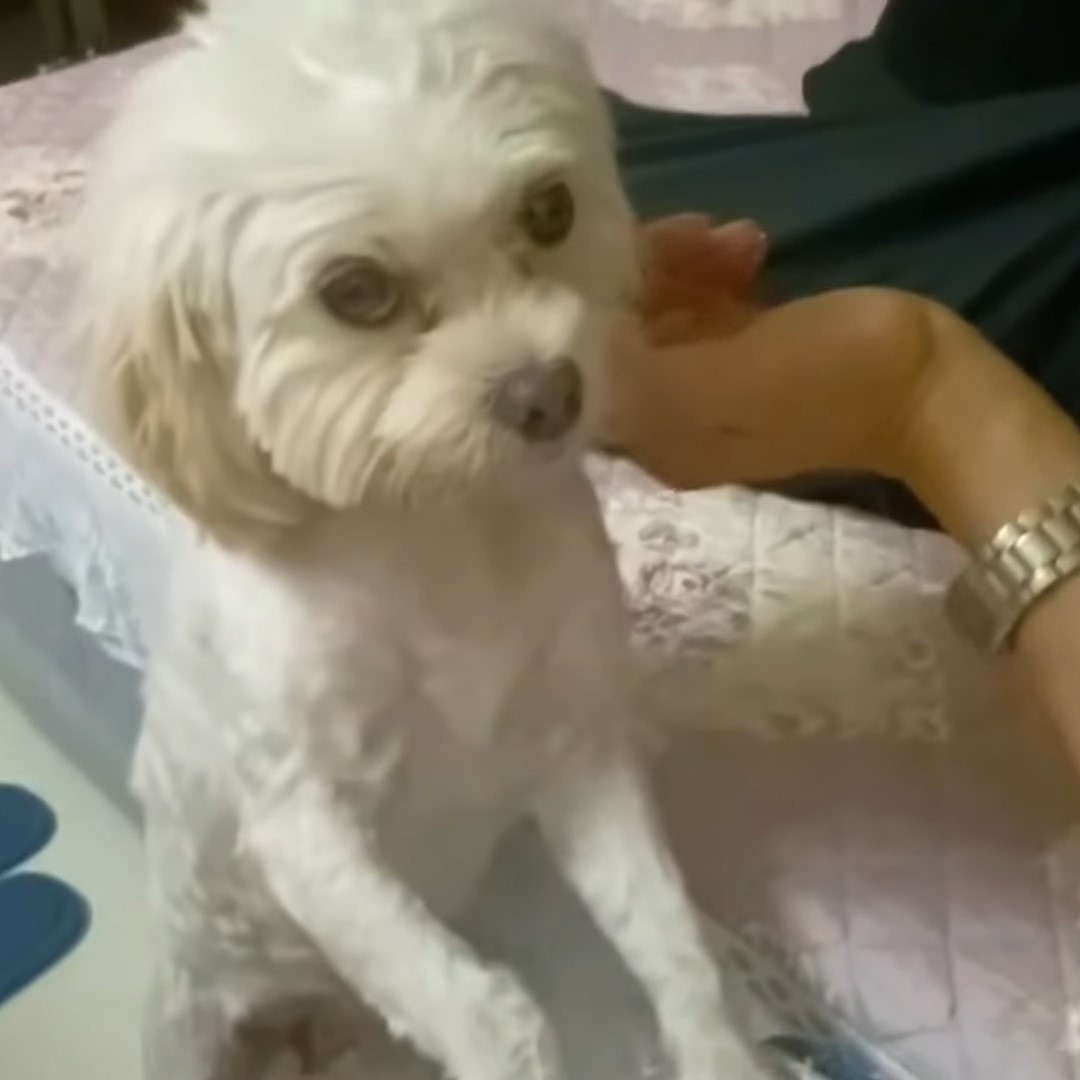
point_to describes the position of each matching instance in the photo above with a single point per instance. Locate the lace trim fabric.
(68, 498)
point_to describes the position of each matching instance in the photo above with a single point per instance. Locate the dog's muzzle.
(541, 402)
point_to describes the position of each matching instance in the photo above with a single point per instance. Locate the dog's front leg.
(475, 1021)
(599, 819)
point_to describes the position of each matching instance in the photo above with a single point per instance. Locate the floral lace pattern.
(745, 89)
(730, 14)
(803, 621)
(38, 190)
(721, 56)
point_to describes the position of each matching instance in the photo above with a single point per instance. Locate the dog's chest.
(483, 718)
(482, 657)
(503, 618)
(510, 633)
(433, 672)
(451, 801)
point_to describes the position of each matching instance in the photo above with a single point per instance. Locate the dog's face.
(435, 308)
(338, 269)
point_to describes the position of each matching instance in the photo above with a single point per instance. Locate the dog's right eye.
(548, 214)
(360, 292)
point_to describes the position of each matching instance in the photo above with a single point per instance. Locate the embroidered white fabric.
(780, 619)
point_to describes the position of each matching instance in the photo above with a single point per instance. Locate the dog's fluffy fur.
(401, 629)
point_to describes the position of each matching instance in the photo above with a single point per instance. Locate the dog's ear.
(153, 321)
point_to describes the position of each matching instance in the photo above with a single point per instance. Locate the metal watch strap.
(1022, 562)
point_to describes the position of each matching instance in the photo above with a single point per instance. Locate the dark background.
(23, 49)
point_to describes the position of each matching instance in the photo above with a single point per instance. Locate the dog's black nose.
(541, 402)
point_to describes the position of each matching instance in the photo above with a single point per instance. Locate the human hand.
(700, 279)
(710, 387)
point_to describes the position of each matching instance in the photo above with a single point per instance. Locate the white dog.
(352, 269)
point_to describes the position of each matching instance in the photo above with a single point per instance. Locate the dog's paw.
(506, 1036)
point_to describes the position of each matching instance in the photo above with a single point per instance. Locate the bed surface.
(864, 802)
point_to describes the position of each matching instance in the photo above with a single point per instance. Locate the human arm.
(866, 380)
(984, 444)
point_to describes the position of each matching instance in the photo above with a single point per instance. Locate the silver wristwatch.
(1023, 562)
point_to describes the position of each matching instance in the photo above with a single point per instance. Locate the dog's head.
(342, 249)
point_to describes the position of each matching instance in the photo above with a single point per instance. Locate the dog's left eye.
(360, 292)
(548, 214)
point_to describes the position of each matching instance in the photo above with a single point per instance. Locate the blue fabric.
(41, 920)
(26, 826)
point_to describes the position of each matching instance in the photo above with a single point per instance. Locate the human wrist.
(982, 442)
